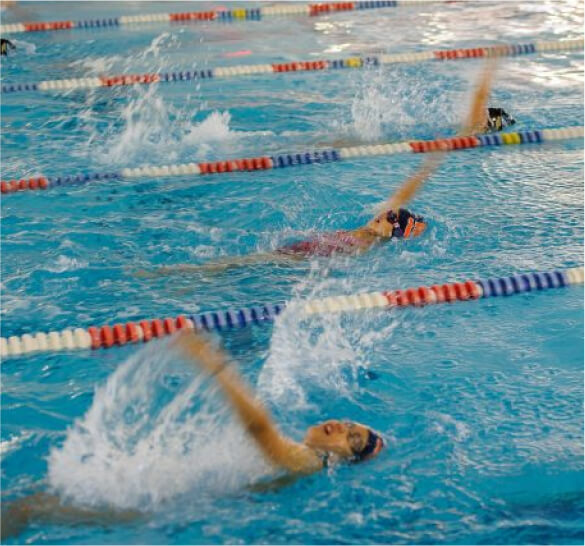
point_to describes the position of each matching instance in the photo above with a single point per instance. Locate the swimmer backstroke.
(392, 220)
(324, 444)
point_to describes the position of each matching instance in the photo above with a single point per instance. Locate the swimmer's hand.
(277, 448)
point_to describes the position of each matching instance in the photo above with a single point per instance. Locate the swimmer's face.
(339, 437)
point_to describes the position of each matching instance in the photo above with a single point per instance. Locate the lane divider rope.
(293, 159)
(502, 50)
(142, 331)
(240, 14)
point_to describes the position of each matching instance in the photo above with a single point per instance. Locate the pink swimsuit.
(326, 244)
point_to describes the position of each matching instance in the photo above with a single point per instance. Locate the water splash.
(151, 55)
(390, 104)
(97, 66)
(319, 356)
(29, 48)
(151, 131)
(140, 125)
(213, 129)
(153, 433)
(64, 263)
(374, 105)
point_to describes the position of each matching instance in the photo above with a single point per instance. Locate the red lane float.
(462, 53)
(300, 66)
(318, 9)
(11, 186)
(424, 295)
(52, 25)
(193, 16)
(247, 164)
(444, 144)
(129, 79)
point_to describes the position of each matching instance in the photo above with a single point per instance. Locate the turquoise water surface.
(481, 402)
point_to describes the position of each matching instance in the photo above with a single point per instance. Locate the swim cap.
(373, 446)
(498, 118)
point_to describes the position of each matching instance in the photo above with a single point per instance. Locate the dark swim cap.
(405, 223)
(373, 446)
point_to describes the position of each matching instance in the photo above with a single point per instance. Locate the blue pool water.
(481, 403)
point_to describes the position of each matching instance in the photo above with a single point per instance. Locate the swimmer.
(498, 119)
(4, 45)
(393, 223)
(393, 220)
(325, 444)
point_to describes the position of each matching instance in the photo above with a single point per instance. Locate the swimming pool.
(482, 403)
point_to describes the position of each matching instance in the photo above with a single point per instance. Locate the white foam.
(150, 131)
(29, 48)
(64, 263)
(388, 103)
(324, 351)
(214, 128)
(153, 432)
(97, 66)
(144, 127)
(14, 443)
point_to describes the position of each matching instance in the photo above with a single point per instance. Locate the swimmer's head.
(498, 119)
(347, 440)
(397, 224)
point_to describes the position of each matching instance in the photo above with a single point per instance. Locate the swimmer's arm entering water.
(279, 450)
(475, 122)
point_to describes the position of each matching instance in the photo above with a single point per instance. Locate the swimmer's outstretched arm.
(474, 122)
(409, 188)
(280, 450)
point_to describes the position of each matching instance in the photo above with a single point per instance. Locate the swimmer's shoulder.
(301, 459)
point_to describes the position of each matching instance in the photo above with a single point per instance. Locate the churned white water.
(325, 351)
(155, 430)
